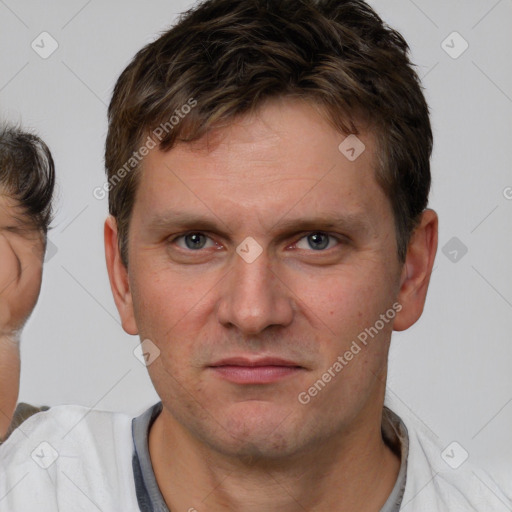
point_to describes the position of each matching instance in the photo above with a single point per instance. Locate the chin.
(256, 447)
(259, 433)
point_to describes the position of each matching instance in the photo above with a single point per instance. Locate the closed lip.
(255, 362)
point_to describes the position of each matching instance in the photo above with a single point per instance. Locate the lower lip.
(255, 374)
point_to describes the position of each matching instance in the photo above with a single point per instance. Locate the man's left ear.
(416, 271)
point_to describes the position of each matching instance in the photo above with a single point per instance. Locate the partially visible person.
(27, 179)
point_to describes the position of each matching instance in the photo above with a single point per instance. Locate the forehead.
(285, 156)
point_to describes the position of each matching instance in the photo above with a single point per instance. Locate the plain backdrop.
(452, 369)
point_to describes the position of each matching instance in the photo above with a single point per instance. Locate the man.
(27, 179)
(268, 177)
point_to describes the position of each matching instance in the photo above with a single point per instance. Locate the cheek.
(346, 302)
(166, 307)
(346, 308)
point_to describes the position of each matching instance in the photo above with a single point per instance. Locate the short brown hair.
(27, 174)
(229, 56)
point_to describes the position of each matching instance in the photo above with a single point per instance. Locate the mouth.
(243, 370)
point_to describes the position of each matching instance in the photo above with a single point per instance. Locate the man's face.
(21, 254)
(327, 270)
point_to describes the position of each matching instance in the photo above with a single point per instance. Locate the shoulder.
(442, 478)
(66, 426)
(22, 413)
(68, 457)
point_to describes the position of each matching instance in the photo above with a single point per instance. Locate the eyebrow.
(356, 223)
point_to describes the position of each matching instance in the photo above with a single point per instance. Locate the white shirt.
(71, 458)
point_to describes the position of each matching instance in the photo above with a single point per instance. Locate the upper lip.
(247, 361)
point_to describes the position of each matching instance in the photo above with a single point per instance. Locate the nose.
(253, 297)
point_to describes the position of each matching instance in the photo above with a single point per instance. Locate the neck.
(355, 471)
(9, 379)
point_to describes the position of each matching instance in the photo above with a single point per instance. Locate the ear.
(416, 271)
(118, 276)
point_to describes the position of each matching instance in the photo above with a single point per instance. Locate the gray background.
(452, 369)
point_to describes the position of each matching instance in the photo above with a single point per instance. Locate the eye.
(317, 241)
(194, 241)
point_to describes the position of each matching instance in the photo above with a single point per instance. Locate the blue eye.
(317, 241)
(193, 241)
